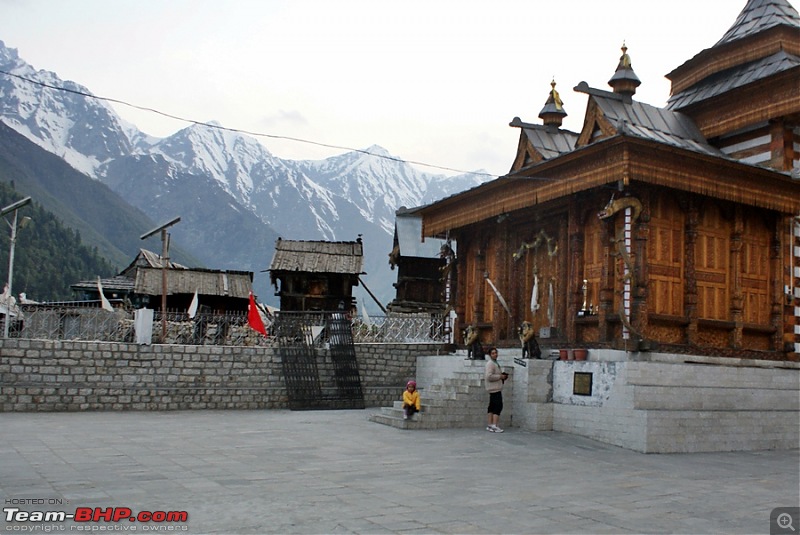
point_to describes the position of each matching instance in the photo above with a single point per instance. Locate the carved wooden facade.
(651, 227)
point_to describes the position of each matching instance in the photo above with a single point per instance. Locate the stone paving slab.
(336, 472)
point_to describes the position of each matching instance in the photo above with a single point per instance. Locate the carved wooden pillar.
(690, 273)
(560, 280)
(737, 296)
(641, 274)
(502, 320)
(574, 290)
(461, 274)
(479, 283)
(606, 297)
(777, 296)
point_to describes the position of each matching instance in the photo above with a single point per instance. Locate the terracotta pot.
(580, 354)
(563, 354)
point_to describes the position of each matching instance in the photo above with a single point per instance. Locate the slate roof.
(186, 281)
(760, 15)
(318, 257)
(118, 283)
(642, 120)
(734, 78)
(144, 276)
(147, 258)
(550, 144)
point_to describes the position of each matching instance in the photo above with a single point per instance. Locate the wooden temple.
(316, 275)
(673, 229)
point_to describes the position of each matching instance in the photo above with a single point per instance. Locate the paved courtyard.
(335, 472)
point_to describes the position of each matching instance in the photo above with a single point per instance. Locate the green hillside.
(48, 256)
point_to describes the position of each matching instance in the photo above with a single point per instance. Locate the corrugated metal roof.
(760, 15)
(550, 143)
(408, 230)
(649, 122)
(318, 257)
(734, 78)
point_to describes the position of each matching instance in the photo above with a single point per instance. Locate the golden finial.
(625, 59)
(555, 96)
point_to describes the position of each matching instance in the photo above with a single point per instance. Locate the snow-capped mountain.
(227, 187)
(85, 132)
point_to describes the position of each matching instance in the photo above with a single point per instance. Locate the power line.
(237, 130)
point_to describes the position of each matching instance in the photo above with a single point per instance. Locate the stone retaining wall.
(45, 375)
(667, 404)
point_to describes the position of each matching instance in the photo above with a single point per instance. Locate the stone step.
(399, 423)
(457, 401)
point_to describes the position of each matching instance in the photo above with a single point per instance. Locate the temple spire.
(553, 112)
(624, 81)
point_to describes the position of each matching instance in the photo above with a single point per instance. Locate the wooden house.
(140, 285)
(316, 275)
(421, 267)
(652, 228)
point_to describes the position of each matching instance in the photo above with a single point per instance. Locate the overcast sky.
(431, 81)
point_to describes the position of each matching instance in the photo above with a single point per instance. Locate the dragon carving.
(541, 238)
(615, 205)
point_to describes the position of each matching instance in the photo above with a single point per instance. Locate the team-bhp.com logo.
(97, 514)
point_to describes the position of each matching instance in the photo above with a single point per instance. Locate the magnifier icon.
(785, 521)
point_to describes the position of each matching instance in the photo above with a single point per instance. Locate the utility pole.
(164, 266)
(7, 210)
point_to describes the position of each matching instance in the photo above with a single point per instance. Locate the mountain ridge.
(234, 196)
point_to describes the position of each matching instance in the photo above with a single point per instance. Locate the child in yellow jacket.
(411, 403)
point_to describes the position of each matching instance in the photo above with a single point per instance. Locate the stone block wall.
(681, 405)
(45, 375)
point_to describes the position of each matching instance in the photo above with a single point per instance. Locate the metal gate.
(313, 381)
(345, 366)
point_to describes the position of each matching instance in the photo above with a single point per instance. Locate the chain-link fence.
(60, 322)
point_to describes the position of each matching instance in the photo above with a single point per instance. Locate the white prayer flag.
(193, 306)
(104, 302)
(535, 294)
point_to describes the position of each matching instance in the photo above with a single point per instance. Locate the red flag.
(254, 318)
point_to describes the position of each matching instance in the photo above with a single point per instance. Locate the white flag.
(535, 294)
(104, 302)
(365, 316)
(193, 306)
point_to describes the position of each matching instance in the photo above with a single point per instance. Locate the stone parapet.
(46, 375)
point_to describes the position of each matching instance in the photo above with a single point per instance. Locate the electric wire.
(240, 131)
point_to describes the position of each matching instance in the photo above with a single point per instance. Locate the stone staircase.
(456, 401)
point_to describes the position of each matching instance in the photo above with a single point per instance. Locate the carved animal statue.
(530, 347)
(614, 206)
(472, 341)
(447, 252)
